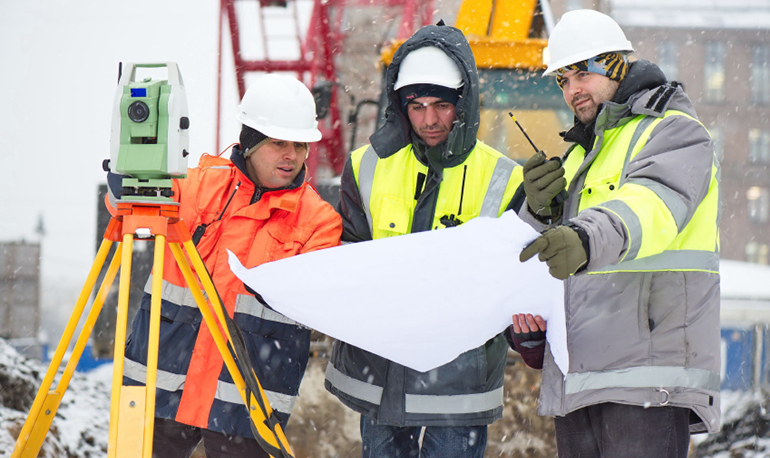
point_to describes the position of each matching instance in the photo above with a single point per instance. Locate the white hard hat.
(280, 107)
(581, 35)
(428, 65)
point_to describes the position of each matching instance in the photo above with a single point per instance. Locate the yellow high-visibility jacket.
(467, 390)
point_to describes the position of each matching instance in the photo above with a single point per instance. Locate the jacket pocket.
(394, 218)
(278, 352)
(646, 325)
(288, 239)
(599, 189)
(610, 304)
(668, 307)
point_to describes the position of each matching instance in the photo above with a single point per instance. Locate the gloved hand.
(561, 248)
(543, 180)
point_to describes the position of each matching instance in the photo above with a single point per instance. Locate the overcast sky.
(58, 73)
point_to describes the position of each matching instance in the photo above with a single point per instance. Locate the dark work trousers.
(612, 430)
(382, 441)
(176, 440)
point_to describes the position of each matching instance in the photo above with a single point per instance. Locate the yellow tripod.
(132, 408)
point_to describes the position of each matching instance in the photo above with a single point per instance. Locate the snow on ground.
(744, 431)
(80, 428)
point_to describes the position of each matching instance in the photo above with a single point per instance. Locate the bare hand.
(526, 322)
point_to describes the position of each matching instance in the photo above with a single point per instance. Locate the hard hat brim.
(282, 133)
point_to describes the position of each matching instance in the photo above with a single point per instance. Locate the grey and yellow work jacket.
(386, 191)
(643, 317)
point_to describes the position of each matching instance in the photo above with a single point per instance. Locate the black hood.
(395, 134)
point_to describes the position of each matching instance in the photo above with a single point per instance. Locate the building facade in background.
(20, 297)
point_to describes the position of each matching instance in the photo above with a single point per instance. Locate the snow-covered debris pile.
(745, 429)
(19, 379)
(80, 429)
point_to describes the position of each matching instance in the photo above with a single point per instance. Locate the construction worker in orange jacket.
(257, 205)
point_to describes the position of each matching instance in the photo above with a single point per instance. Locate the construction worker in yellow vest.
(425, 170)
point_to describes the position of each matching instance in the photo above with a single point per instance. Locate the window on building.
(759, 204)
(759, 146)
(667, 59)
(760, 74)
(757, 252)
(715, 71)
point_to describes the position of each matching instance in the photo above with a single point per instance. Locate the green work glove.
(543, 180)
(561, 248)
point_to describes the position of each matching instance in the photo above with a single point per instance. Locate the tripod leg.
(120, 341)
(217, 325)
(134, 408)
(35, 427)
(88, 326)
(152, 351)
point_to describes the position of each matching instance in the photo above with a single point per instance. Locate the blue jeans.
(381, 441)
(610, 430)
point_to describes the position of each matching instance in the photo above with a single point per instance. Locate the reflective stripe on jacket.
(468, 390)
(194, 387)
(643, 319)
(388, 188)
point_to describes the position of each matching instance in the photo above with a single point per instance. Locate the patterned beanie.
(613, 65)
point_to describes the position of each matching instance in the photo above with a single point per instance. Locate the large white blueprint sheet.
(418, 299)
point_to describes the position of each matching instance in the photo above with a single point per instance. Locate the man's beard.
(586, 112)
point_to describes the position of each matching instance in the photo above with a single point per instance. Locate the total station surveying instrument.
(149, 148)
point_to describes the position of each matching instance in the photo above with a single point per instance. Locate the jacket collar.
(236, 157)
(273, 198)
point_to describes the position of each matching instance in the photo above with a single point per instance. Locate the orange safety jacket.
(194, 387)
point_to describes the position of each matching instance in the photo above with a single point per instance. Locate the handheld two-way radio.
(562, 195)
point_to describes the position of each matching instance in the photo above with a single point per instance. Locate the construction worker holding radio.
(637, 245)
